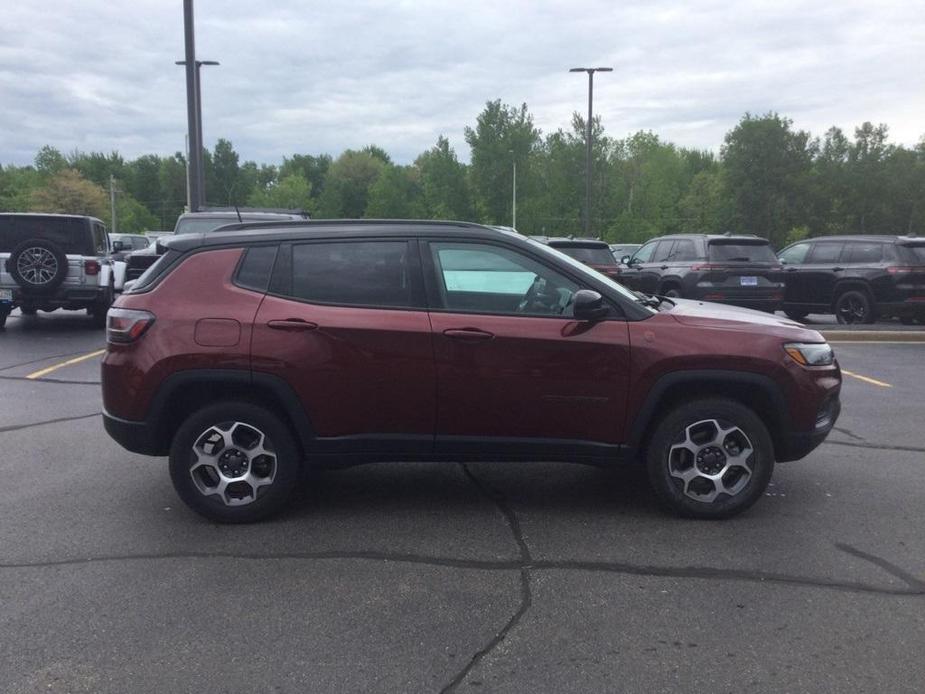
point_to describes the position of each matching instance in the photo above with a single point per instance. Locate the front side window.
(355, 273)
(644, 254)
(795, 255)
(481, 278)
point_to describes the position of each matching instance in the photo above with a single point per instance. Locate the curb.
(873, 335)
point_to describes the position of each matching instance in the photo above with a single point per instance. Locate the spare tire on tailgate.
(37, 265)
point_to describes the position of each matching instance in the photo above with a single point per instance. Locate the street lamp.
(514, 195)
(590, 71)
(198, 105)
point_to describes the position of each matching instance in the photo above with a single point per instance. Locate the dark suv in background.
(858, 278)
(592, 252)
(251, 353)
(740, 270)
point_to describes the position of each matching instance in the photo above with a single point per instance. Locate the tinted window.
(359, 273)
(72, 235)
(825, 252)
(917, 253)
(490, 279)
(663, 251)
(644, 254)
(100, 239)
(742, 252)
(154, 271)
(597, 255)
(256, 267)
(795, 255)
(863, 252)
(684, 249)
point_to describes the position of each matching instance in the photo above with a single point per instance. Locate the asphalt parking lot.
(428, 578)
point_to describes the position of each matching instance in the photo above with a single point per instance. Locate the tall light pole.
(590, 71)
(201, 183)
(514, 195)
(195, 145)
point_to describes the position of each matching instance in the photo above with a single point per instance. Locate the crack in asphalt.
(526, 595)
(848, 432)
(18, 427)
(875, 446)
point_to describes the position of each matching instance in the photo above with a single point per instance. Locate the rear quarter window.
(256, 268)
(915, 253)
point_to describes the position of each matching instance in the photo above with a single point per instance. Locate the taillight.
(91, 267)
(705, 266)
(899, 270)
(126, 324)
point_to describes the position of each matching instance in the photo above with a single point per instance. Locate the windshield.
(599, 255)
(584, 269)
(758, 252)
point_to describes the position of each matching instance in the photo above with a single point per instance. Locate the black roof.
(883, 238)
(714, 237)
(585, 242)
(257, 232)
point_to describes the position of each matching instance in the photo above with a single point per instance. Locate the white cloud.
(319, 77)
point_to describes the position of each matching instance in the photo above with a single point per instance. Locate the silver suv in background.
(205, 222)
(52, 261)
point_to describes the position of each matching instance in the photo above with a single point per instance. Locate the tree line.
(768, 178)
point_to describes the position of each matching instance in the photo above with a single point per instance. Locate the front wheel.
(234, 462)
(710, 459)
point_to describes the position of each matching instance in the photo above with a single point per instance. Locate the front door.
(517, 376)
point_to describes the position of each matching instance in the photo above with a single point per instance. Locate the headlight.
(810, 353)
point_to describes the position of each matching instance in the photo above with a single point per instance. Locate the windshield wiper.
(653, 301)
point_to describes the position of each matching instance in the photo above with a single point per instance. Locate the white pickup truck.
(52, 261)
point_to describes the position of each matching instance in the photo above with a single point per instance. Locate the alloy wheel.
(37, 265)
(233, 461)
(711, 458)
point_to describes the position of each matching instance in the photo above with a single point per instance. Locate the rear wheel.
(28, 310)
(854, 307)
(710, 459)
(793, 314)
(234, 462)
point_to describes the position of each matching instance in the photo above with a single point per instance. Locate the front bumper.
(798, 444)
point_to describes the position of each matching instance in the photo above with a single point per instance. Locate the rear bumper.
(74, 297)
(137, 437)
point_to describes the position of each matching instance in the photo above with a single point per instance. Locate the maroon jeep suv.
(250, 354)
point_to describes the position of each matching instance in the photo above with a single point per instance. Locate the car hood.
(724, 317)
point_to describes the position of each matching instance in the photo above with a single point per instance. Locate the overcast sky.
(316, 77)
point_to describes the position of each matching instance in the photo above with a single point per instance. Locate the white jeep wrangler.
(52, 261)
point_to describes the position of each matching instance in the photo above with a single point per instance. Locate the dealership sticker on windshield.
(748, 281)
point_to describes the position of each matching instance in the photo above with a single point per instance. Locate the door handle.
(664, 267)
(838, 269)
(468, 334)
(292, 325)
(791, 269)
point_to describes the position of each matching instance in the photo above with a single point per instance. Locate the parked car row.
(857, 278)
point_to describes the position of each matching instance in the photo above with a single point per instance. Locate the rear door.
(516, 375)
(792, 260)
(821, 271)
(344, 324)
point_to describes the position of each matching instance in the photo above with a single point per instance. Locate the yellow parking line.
(867, 379)
(54, 367)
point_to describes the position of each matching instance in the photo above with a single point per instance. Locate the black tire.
(99, 309)
(793, 314)
(267, 499)
(747, 482)
(3, 317)
(28, 310)
(854, 307)
(47, 272)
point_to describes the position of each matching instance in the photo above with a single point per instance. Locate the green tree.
(49, 161)
(224, 182)
(313, 169)
(347, 184)
(768, 168)
(443, 183)
(396, 194)
(501, 135)
(67, 192)
(292, 192)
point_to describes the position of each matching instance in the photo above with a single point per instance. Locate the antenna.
(238, 212)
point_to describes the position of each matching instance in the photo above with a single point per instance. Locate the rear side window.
(354, 273)
(256, 267)
(862, 252)
(739, 252)
(72, 235)
(826, 252)
(662, 251)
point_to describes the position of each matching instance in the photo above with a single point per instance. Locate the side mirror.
(588, 305)
(127, 287)
(117, 246)
(626, 259)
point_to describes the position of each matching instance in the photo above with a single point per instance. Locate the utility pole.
(192, 103)
(514, 195)
(202, 173)
(112, 202)
(590, 71)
